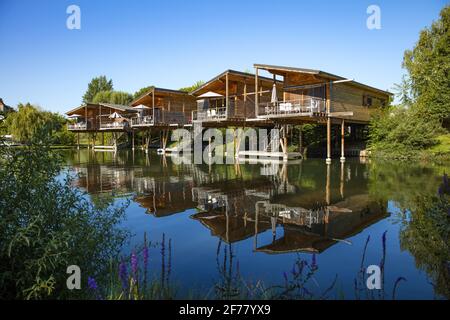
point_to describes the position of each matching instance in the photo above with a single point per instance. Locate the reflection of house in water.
(228, 210)
(316, 229)
(303, 210)
(164, 198)
(311, 221)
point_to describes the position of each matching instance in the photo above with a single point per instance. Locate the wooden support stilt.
(147, 141)
(78, 140)
(300, 140)
(132, 140)
(328, 140)
(343, 140)
(342, 180)
(328, 194)
(328, 111)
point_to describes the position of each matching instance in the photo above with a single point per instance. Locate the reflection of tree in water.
(425, 234)
(425, 215)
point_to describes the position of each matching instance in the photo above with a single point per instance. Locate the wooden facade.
(229, 98)
(315, 95)
(164, 107)
(93, 117)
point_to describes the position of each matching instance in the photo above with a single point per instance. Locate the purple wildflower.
(123, 274)
(92, 284)
(134, 264)
(145, 256)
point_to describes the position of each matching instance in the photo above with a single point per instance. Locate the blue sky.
(175, 43)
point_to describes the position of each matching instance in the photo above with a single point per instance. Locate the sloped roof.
(160, 92)
(282, 70)
(235, 74)
(119, 107)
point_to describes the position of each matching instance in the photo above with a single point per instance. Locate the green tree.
(428, 65)
(409, 129)
(96, 85)
(30, 120)
(141, 92)
(115, 97)
(194, 87)
(401, 132)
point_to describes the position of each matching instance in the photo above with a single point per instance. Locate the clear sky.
(172, 44)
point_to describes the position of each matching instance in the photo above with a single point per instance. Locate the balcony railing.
(302, 107)
(212, 114)
(142, 121)
(162, 117)
(173, 117)
(119, 125)
(77, 126)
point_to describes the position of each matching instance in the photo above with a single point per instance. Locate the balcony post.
(245, 98)
(153, 105)
(256, 92)
(226, 95)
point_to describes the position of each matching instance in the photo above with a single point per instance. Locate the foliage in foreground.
(132, 279)
(47, 225)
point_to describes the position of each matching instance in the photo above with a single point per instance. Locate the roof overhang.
(217, 84)
(283, 71)
(146, 98)
(117, 107)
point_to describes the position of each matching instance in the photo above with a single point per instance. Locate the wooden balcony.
(292, 108)
(213, 114)
(162, 118)
(80, 126)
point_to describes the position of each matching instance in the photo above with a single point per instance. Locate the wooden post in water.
(328, 110)
(132, 140)
(341, 187)
(300, 140)
(343, 140)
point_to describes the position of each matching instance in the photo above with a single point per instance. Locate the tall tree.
(116, 97)
(96, 85)
(141, 92)
(30, 121)
(428, 65)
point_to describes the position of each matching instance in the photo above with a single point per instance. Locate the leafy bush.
(48, 225)
(402, 132)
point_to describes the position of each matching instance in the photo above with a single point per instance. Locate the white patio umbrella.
(141, 107)
(115, 115)
(74, 116)
(274, 98)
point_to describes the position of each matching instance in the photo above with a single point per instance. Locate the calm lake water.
(270, 216)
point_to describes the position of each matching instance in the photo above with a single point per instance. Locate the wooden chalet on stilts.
(159, 111)
(288, 96)
(320, 97)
